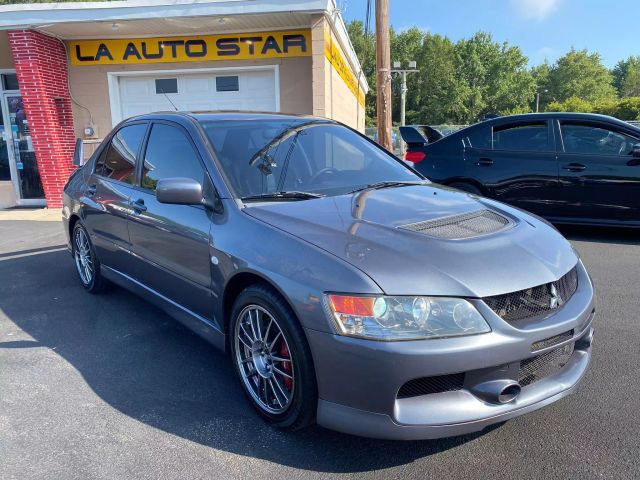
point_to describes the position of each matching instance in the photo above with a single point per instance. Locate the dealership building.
(72, 70)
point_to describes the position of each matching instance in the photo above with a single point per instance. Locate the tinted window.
(315, 157)
(166, 85)
(528, 137)
(118, 160)
(481, 138)
(588, 139)
(227, 84)
(169, 154)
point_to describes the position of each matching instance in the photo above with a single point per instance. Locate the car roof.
(546, 115)
(225, 115)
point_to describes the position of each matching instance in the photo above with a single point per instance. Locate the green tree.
(365, 48)
(541, 76)
(496, 76)
(626, 77)
(581, 74)
(440, 91)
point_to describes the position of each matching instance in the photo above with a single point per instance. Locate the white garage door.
(224, 90)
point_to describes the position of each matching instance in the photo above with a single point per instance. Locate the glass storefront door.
(21, 156)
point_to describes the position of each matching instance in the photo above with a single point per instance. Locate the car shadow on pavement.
(147, 366)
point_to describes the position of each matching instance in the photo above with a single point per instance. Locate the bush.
(625, 109)
(628, 109)
(571, 104)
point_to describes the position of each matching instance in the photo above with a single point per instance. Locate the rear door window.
(595, 140)
(481, 138)
(530, 137)
(118, 159)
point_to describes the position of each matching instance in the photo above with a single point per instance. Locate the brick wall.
(41, 66)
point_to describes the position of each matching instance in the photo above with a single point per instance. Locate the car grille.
(544, 365)
(457, 227)
(534, 301)
(552, 341)
(427, 385)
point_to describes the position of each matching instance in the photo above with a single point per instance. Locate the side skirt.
(194, 322)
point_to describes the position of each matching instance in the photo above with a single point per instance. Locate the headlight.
(404, 318)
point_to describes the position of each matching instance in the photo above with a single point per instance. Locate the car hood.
(365, 229)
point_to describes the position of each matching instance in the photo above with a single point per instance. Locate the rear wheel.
(467, 187)
(272, 358)
(87, 264)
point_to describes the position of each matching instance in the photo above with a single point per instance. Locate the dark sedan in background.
(566, 167)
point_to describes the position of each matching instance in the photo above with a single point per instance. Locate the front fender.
(300, 271)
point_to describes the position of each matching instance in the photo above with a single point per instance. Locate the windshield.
(261, 157)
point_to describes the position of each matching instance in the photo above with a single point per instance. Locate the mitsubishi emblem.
(556, 300)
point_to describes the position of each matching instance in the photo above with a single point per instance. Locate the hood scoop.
(458, 227)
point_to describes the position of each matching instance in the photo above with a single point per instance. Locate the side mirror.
(78, 153)
(179, 191)
(636, 151)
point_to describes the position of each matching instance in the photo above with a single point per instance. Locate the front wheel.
(272, 358)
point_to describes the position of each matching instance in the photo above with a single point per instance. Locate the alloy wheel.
(264, 359)
(82, 254)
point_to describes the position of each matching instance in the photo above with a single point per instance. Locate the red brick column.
(41, 67)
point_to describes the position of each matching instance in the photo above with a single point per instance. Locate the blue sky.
(541, 28)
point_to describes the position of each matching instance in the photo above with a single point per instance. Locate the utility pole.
(383, 74)
(403, 89)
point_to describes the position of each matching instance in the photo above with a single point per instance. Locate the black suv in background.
(566, 167)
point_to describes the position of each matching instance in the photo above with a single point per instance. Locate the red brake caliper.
(286, 366)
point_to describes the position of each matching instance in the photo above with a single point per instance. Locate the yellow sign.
(334, 55)
(246, 46)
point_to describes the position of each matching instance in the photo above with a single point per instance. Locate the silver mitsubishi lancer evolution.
(348, 289)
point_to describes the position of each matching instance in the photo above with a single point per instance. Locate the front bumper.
(359, 380)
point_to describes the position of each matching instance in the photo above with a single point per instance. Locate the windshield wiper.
(289, 195)
(388, 184)
(284, 135)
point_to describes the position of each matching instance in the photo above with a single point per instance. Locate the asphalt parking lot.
(110, 387)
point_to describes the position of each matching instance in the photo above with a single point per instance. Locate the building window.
(227, 84)
(9, 81)
(166, 85)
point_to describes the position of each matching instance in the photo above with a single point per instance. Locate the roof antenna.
(167, 97)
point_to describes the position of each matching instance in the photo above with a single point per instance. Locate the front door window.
(21, 153)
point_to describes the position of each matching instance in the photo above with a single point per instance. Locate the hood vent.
(458, 227)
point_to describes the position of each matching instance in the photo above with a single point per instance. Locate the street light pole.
(538, 100)
(403, 90)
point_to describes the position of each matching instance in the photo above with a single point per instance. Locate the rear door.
(106, 200)
(517, 164)
(600, 178)
(170, 243)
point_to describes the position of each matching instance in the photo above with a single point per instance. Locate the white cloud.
(535, 9)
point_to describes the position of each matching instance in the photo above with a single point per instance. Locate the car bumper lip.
(455, 413)
(359, 380)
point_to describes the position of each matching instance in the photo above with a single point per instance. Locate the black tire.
(301, 411)
(467, 187)
(96, 283)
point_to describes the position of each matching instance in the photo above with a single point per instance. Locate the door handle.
(484, 162)
(139, 205)
(91, 190)
(574, 167)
